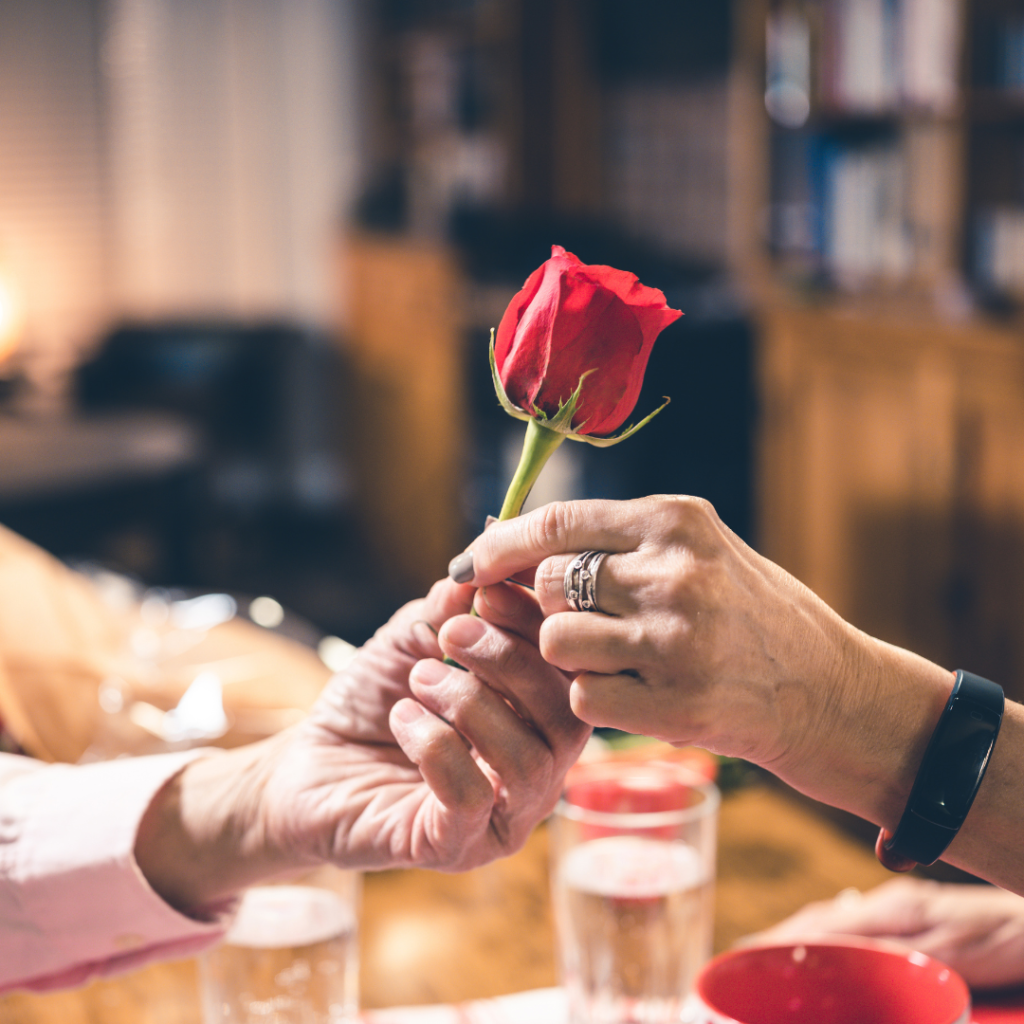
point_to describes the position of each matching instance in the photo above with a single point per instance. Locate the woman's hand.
(977, 930)
(703, 641)
(403, 761)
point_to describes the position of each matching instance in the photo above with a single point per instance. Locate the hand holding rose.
(404, 761)
(701, 640)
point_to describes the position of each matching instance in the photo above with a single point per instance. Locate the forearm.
(857, 723)
(202, 837)
(887, 728)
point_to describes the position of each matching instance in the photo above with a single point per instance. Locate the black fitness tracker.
(954, 765)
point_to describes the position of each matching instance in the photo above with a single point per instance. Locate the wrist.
(875, 714)
(202, 838)
(910, 698)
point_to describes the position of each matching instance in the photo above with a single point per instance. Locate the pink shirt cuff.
(73, 903)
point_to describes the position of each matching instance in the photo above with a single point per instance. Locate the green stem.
(538, 446)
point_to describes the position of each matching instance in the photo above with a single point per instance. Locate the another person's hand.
(704, 641)
(977, 930)
(403, 761)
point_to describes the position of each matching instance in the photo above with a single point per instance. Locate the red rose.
(569, 319)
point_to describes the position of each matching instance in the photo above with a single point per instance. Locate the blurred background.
(251, 250)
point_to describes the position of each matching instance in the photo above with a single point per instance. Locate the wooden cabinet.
(879, 201)
(406, 418)
(892, 478)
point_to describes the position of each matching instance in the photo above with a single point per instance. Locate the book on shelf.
(929, 53)
(844, 210)
(865, 232)
(871, 56)
(999, 250)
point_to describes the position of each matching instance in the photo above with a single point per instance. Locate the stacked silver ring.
(580, 583)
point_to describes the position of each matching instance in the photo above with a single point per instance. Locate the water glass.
(290, 957)
(633, 870)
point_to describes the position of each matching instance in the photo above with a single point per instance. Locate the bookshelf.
(865, 124)
(884, 202)
(893, 147)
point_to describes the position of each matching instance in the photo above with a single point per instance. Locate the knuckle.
(688, 522)
(550, 523)
(550, 642)
(508, 655)
(585, 706)
(439, 745)
(686, 511)
(640, 638)
(548, 578)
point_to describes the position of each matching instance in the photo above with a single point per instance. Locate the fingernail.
(490, 521)
(464, 631)
(429, 673)
(461, 569)
(501, 600)
(408, 711)
(425, 635)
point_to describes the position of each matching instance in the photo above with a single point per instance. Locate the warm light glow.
(10, 320)
(266, 612)
(335, 653)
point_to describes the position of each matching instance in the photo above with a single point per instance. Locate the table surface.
(429, 937)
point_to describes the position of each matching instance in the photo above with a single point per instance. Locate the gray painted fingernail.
(461, 569)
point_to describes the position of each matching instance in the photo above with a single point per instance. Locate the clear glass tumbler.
(290, 957)
(633, 873)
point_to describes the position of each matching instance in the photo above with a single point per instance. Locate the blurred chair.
(264, 397)
(178, 428)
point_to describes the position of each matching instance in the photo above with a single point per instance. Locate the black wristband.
(951, 772)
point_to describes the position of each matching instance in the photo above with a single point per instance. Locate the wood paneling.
(407, 420)
(892, 478)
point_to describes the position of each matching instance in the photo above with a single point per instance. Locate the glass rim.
(638, 820)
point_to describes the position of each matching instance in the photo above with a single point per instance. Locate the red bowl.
(847, 982)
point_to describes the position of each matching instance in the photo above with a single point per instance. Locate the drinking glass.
(633, 869)
(290, 957)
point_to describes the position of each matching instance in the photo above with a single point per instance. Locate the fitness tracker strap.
(947, 782)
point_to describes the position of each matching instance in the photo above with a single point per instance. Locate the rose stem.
(539, 443)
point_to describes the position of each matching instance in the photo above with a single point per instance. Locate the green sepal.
(607, 442)
(562, 420)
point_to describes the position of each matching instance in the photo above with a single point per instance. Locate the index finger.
(512, 546)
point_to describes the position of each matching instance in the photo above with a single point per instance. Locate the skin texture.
(403, 761)
(976, 929)
(704, 641)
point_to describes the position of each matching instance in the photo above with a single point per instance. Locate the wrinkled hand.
(704, 641)
(406, 761)
(977, 930)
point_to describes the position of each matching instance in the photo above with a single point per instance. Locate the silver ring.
(580, 582)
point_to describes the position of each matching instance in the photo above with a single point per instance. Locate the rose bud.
(571, 322)
(570, 357)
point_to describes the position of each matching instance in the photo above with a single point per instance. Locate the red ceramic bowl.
(847, 982)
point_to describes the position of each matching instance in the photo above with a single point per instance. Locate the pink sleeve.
(73, 903)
